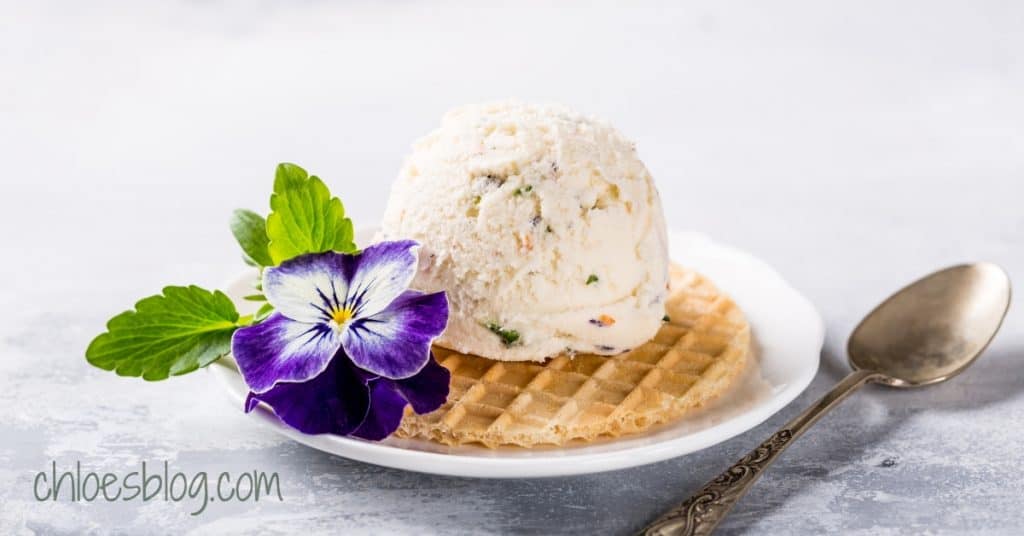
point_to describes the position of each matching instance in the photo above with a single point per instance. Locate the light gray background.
(854, 147)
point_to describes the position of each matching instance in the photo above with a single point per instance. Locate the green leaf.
(305, 218)
(263, 312)
(171, 334)
(250, 230)
(289, 175)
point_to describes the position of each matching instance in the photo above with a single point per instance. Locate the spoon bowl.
(933, 328)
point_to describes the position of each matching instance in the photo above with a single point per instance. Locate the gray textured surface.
(853, 148)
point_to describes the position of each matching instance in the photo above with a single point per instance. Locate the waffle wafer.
(695, 356)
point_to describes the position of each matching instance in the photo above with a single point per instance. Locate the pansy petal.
(386, 409)
(381, 273)
(395, 343)
(335, 402)
(310, 287)
(251, 401)
(282, 350)
(428, 389)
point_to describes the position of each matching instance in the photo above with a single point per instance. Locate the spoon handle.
(703, 511)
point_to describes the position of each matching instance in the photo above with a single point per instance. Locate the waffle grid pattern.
(692, 359)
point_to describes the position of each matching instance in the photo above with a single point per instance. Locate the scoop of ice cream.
(543, 226)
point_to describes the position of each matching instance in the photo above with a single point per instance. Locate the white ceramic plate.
(787, 333)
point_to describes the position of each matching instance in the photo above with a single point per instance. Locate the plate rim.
(554, 465)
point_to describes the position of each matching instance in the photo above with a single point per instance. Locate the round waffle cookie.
(695, 356)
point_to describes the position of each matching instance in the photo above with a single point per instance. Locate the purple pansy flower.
(349, 344)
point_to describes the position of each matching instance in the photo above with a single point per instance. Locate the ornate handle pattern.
(702, 512)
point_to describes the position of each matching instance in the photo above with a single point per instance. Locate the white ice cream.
(543, 226)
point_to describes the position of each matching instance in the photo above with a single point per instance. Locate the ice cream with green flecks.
(542, 225)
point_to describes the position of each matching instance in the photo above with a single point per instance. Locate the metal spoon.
(926, 333)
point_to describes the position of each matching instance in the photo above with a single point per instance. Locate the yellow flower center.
(340, 316)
